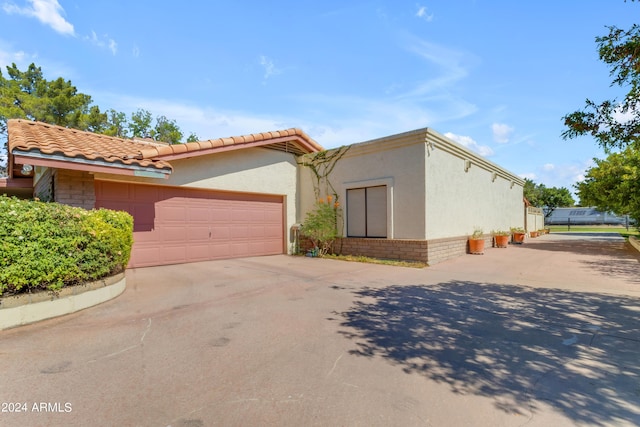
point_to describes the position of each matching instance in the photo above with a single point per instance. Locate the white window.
(367, 212)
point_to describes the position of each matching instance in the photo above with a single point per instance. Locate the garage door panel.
(175, 225)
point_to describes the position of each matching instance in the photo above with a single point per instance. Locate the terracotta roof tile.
(40, 137)
(26, 135)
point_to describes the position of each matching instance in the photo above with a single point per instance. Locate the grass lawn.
(595, 229)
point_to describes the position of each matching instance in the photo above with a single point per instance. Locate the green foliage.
(548, 197)
(613, 123)
(166, 130)
(49, 245)
(321, 225)
(613, 184)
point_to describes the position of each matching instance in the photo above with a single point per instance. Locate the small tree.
(321, 225)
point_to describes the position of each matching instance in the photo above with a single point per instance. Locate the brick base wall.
(429, 251)
(74, 188)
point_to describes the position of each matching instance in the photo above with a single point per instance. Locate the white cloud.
(136, 51)
(548, 167)
(470, 143)
(269, 67)
(449, 63)
(48, 12)
(423, 14)
(501, 132)
(103, 42)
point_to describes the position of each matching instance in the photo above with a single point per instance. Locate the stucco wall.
(465, 192)
(437, 188)
(398, 163)
(252, 170)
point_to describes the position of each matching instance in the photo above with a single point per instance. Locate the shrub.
(49, 245)
(321, 225)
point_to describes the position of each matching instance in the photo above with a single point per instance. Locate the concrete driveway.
(543, 334)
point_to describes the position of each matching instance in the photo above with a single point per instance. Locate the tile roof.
(30, 136)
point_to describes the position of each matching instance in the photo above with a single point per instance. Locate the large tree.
(612, 184)
(549, 198)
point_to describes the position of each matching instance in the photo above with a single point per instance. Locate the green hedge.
(49, 245)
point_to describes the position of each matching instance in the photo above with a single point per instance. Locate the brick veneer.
(74, 188)
(429, 251)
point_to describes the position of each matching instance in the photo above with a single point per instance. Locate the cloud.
(270, 69)
(501, 132)
(136, 51)
(48, 12)
(103, 42)
(422, 13)
(548, 167)
(450, 68)
(470, 143)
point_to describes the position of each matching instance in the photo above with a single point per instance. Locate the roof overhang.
(294, 144)
(63, 162)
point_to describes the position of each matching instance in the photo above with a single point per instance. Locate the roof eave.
(82, 164)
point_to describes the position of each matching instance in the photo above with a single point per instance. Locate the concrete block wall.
(74, 188)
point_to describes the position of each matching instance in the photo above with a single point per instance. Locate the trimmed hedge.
(49, 245)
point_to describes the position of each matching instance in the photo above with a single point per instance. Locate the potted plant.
(533, 233)
(476, 242)
(518, 234)
(501, 238)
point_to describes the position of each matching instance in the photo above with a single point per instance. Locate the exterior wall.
(74, 188)
(466, 191)
(535, 219)
(438, 192)
(398, 163)
(252, 170)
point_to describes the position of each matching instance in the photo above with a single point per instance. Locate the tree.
(166, 130)
(613, 123)
(193, 137)
(549, 198)
(140, 124)
(613, 184)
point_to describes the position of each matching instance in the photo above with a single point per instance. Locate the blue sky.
(496, 76)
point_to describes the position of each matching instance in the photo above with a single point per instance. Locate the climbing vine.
(321, 223)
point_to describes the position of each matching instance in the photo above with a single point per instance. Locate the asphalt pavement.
(546, 333)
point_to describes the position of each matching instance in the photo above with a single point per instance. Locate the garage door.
(178, 225)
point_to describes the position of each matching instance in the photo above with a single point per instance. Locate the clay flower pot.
(476, 246)
(501, 241)
(518, 238)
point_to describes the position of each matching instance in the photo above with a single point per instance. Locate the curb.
(635, 242)
(23, 309)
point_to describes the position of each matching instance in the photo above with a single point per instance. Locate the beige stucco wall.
(430, 194)
(465, 191)
(252, 170)
(398, 163)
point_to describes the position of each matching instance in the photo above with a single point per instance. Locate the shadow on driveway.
(610, 253)
(523, 347)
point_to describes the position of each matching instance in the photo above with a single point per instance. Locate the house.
(416, 195)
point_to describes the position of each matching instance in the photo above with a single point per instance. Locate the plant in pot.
(518, 234)
(533, 233)
(476, 242)
(501, 238)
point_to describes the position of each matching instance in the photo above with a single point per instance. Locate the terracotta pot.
(476, 246)
(533, 233)
(518, 238)
(501, 241)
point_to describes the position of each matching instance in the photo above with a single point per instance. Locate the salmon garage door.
(177, 225)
